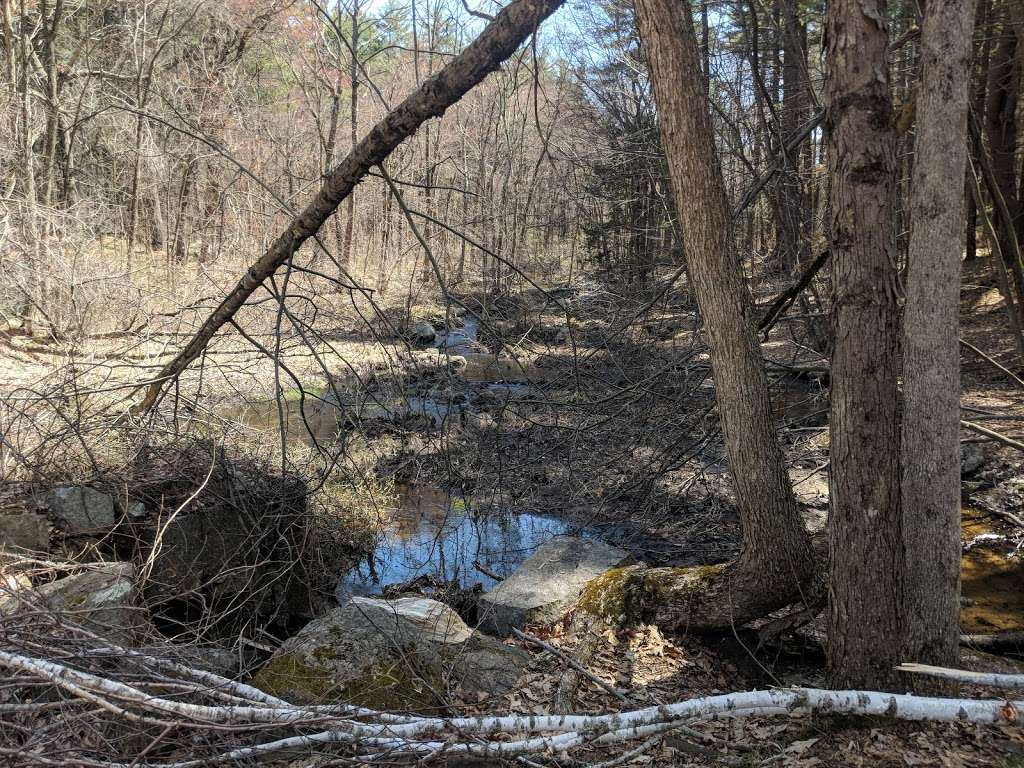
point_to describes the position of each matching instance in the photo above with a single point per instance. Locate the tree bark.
(791, 203)
(345, 256)
(1001, 123)
(865, 540)
(775, 563)
(497, 42)
(931, 351)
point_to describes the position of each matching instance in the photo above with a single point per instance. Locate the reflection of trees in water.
(429, 533)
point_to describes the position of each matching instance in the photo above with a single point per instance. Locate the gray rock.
(25, 530)
(563, 335)
(971, 459)
(547, 584)
(82, 509)
(102, 598)
(400, 654)
(423, 331)
(136, 510)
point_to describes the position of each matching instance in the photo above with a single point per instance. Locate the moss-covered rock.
(613, 596)
(402, 654)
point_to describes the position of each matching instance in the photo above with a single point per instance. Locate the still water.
(431, 534)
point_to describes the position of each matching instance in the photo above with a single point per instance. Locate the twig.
(487, 571)
(994, 362)
(787, 297)
(991, 433)
(572, 663)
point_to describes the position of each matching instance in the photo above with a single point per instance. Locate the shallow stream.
(431, 535)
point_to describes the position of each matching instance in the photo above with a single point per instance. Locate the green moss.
(295, 394)
(389, 684)
(289, 675)
(679, 583)
(632, 594)
(393, 684)
(612, 595)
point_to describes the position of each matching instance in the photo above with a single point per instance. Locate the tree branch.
(484, 55)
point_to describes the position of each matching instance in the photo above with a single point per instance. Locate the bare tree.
(775, 563)
(496, 43)
(866, 547)
(931, 352)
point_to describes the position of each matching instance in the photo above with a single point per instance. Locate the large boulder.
(82, 510)
(103, 598)
(404, 654)
(547, 584)
(423, 331)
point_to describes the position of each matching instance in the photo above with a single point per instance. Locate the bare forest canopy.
(328, 326)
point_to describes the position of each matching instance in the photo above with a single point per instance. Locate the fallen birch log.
(487, 736)
(994, 679)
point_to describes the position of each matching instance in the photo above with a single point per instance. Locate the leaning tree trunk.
(931, 351)
(497, 42)
(775, 564)
(865, 543)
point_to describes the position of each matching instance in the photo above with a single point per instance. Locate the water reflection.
(430, 534)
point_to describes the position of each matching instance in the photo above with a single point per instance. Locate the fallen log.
(487, 736)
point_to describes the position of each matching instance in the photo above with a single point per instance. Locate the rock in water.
(423, 331)
(83, 509)
(547, 584)
(389, 654)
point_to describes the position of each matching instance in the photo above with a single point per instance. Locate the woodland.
(511, 382)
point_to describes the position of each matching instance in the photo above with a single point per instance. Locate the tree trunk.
(865, 541)
(496, 43)
(1001, 124)
(775, 563)
(931, 351)
(791, 199)
(350, 213)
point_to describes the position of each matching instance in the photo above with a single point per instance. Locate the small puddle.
(992, 583)
(430, 534)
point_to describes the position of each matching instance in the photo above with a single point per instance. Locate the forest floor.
(614, 428)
